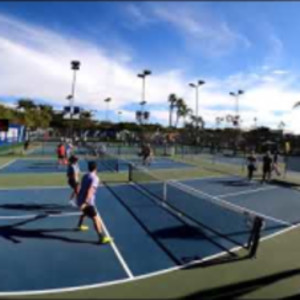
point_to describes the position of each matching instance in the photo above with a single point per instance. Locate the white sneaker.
(72, 202)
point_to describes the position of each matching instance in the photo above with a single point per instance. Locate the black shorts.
(90, 211)
(267, 169)
(60, 156)
(73, 183)
(251, 168)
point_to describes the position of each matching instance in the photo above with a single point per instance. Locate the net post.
(117, 165)
(254, 238)
(130, 167)
(164, 191)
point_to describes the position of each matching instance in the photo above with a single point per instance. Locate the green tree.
(172, 104)
(182, 111)
(26, 104)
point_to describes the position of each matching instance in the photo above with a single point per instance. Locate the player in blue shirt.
(86, 202)
(73, 173)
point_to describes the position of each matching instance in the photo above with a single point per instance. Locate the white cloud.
(35, 63)
(201, 30)
(137, 16)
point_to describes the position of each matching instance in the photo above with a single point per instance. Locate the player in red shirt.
(61, 154)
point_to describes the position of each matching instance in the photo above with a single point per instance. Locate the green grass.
(275, 273)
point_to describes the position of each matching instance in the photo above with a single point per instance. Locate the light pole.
(196, 86)
(143, 76)
(141, 115)
(142, 103)
(107, 100)
(119, 116)
(255, 122)
(75, 66)
(237, 112)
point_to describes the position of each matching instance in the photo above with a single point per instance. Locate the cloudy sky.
(251, 46)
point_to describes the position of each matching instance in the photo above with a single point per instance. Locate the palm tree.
(182, 110)
(281, 125)
(178, 105)
(185, 112)
(26, 104)
(139, 116)
(172, 100)
(198, 120)
(296, 104)
(219, 120)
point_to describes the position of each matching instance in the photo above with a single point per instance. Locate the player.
(69, 148)
(61, 154)
(275, 163)
(86, 202)
(147, 154)
(267, 167)
(251, 159)
(73, 173)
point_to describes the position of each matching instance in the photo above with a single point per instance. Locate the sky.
(252, 46)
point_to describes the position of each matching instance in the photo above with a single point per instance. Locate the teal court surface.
(48, 165)
(42, 252)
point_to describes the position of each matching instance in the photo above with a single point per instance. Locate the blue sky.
(231, 45)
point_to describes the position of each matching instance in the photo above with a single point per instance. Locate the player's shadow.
(244, 288)
(15, 234)
(186, 232)
(45, 208)
(235, 182)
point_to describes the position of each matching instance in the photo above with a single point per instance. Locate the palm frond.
(296, 104)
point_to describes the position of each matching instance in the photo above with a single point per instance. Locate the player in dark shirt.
(251, 159)
(267, 167)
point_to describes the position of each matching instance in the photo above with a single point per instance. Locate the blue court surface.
(41, 250)
(50, 165)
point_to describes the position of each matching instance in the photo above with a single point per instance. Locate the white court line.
(240, 208)
(149, 275)
(51, 187)
(114, 247)
(7, 164)
(117, 252)
(140, 277)
(248, 191)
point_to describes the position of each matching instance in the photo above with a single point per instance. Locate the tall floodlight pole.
(119, 115)
(143, 99)
(196, 87)
(75, 65)
(237, 111)
(107, 100)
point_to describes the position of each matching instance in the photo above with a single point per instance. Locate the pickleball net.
(194, 207)
(108, 160)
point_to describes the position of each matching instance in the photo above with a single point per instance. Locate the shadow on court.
(236, 290)
(14, 233)
(45, 208)
(235, 182)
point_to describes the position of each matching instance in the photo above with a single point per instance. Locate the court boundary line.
(134, 278)
(71, 214)
(8, 163)
(139, 277)
(117, 252)
(267, 188)
(114, 184)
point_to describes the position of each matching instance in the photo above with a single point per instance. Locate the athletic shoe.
(73, 203)
(83, 228)
(105, 240)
